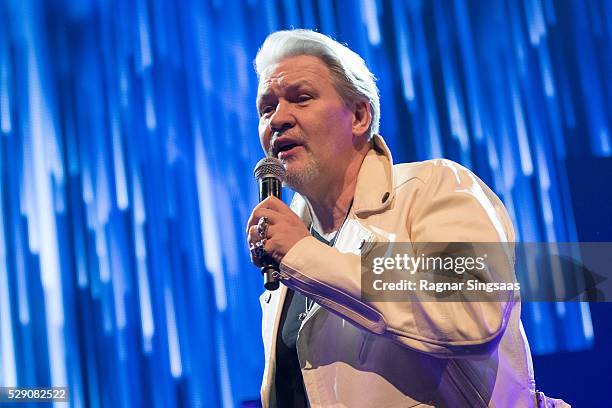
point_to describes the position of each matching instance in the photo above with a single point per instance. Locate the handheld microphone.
(270, 174)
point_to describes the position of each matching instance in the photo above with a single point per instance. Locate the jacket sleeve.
(451, 205)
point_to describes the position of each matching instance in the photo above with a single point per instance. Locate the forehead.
(289, 71)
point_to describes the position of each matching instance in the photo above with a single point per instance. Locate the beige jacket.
(401, 354)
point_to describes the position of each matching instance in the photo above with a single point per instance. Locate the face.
(304, 121)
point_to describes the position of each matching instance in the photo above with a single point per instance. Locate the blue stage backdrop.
(128, 138)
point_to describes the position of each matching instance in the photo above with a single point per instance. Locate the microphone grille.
(269, 167)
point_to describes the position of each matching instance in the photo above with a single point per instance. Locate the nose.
(282, 119)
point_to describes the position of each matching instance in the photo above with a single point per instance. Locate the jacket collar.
(374, 190)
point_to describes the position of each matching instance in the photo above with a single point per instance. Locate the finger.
(259, 212)
(255, 260)
(255, 255)
(274, 203)
(253, 235)
(271, 218)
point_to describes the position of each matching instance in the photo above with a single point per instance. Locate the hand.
(285, 229)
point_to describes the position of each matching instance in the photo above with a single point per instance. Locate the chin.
(300, 176)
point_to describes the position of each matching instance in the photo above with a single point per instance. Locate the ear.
(362, 117)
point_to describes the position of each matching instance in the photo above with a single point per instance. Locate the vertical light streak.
(87, 184)
(527, 215)
(543, 166)
(144, 290)
(119, 166)
(176, 366)
(457, 124)
(549, 12)
(492, 153)
(588, 69)
(140, 216)
(226, 386)
(403, 51)
(203, 47)
(124, 88)
(537, 312)
(8, 368)
(8, 371)
(242, 69)
(81, 263)
(72, 152)
(535, 21)
(208, 223)
(173, 153)
(553, 102)
(146, 310)
(5, 102)
(509, 165)
(231, 243)
(470, 65)
(150, 116)
(22, 294)
(146, 58)
(587, 324)
(517, 38)
(102, 253)
(369, 15)
(42, 129)
(431, 128)
(435, 144)
(118, 281)
(28, 191)
(521, 133)
(547, 76)
(604, 141)
(561, 309)
(103, 201)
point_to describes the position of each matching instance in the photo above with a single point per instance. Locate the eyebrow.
(290, 87)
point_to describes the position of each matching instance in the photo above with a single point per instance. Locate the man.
(324, 345)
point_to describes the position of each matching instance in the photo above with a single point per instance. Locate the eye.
(304, 98)
(266, 109)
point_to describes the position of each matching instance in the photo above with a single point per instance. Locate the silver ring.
(258, 249)
(262, 227)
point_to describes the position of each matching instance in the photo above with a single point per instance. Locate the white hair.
(351, 77)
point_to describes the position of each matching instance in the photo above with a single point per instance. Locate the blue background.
(127, 142)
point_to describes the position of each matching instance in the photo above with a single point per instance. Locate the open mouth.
(286, 148)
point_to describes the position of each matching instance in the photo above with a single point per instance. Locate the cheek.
(337, 122)
(264, 135)
(338, 115)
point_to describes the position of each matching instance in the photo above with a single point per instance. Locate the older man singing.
(325, 346)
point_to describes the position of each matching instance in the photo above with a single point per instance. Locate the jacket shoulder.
(427, 170)
(443, 179)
